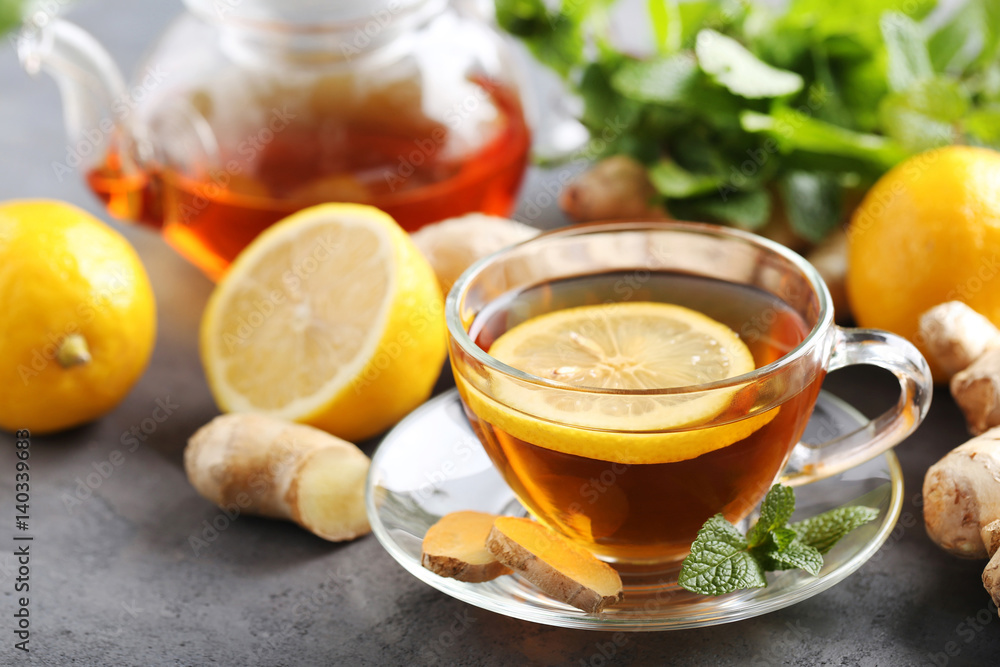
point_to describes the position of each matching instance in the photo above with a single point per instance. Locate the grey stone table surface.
(114, 580)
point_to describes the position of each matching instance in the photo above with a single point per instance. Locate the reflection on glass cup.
(628, 490)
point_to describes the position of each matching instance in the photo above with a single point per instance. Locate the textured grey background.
(115, 582)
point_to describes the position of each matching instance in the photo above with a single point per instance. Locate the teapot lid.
(307, 15)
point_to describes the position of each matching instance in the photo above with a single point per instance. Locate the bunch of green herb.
(722, 560)
(742, 108)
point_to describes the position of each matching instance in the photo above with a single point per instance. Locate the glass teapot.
(248, 110)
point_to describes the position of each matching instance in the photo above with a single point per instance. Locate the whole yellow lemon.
(79, 321)
(927, 232)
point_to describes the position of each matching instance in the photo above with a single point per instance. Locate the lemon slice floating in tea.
(636, 345)
(615, 347)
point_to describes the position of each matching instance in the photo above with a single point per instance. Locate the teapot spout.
(90, 85)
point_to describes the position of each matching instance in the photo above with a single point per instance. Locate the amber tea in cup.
(632, 474)
(637, 511)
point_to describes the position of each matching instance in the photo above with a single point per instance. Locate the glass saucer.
(432, 464)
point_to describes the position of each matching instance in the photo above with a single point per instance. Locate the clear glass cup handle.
(811, 462)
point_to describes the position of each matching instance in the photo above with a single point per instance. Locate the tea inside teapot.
(255, 119)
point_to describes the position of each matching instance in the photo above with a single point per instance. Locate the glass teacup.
(593, 464)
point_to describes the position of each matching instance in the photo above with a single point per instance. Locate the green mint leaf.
(913, 129)
(602, 105)
(669, 80)
(991, 32)
(861, 85)
(523, 18)
(672, 180)
(782, 537)
(694, 15)
(938, 97)
(793, 130)
(719, 562)
(554, 38)
(823, 531)
(959, 42)
(776, 542)
(812, 202)
(747, 210)
(909, 61)
(983, 126)
(775, 510)
(856, 18)
(740, 71)
(664, 16)
(925, 115)
(794, 556)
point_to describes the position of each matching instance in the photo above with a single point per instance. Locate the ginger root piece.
(561, 569)
(616, 187)
(453, 245)
(955, 336)
(455, 547)
(977, 392)
(962, 495)
(991, 575)
(966, 346)
(282, 470)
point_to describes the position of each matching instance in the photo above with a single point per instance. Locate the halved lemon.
(612, 347)
(332, 318)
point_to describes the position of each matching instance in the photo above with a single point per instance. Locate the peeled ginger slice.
(455, 547)
(561, 569)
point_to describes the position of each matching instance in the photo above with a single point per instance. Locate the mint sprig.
(775, 511)
(823, 531)
(719, 562)
(722, 560)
